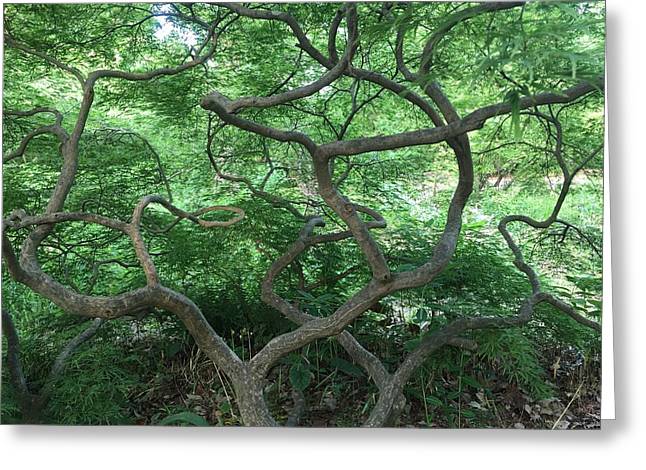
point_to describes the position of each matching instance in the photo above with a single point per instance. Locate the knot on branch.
(217, 101)
(15, 218)
(313, 221)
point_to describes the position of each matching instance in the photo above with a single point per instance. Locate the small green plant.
(514, 355)
(184, 418)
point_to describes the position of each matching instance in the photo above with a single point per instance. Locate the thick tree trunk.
(251, 401)
(32, 409)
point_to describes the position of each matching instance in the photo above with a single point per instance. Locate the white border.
(620, 441)
(607, 340)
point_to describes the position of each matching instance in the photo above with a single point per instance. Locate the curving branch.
(27, 269)
(32, 112)
(581, 234)
(475, 120)
(28, 272)
(32, 403)
(373, 366)
(182, 214)
(19, 219)
(519, 261)
(55, 129)
(218, 103)
(11, 42)
(349, 213)
(305, 44)
(203, 54)
(452, 21)
(472, 121)
(273, 199)
(233, 106)
(14, 364)
(62, 358)
(134, 229)
(358, 73)
(263, 14)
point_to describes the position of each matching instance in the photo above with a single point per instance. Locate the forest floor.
(191, 383)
